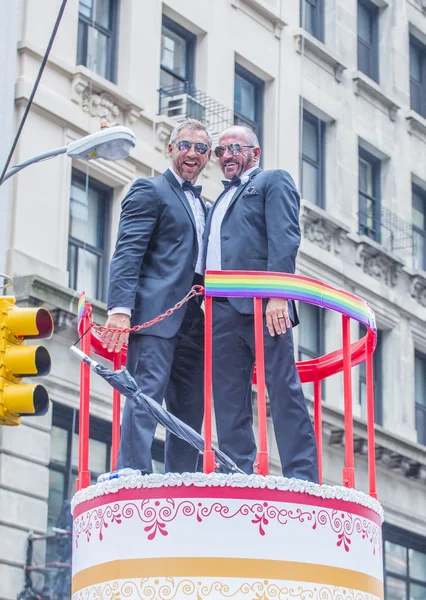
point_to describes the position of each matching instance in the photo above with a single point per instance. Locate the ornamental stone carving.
(418, 289)
(378, 264)
(102, 106)
(321, 229)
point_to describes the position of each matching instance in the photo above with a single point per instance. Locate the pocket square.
(251, 191)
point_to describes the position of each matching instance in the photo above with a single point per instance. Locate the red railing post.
(83, 480)
(318, 422)
(262, 458)
(116, 410)
(349, 470)
(209, 457)
(371, 446)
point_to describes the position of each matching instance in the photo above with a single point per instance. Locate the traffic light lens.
(41, 401)
(42, 360)
(44, 323)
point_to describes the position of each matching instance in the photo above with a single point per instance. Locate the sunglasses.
(185, 146)
(233, 148)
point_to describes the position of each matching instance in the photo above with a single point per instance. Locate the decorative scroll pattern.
(170, 589)
(219, 480)
(156, 517)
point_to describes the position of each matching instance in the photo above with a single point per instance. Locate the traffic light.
(18, 360)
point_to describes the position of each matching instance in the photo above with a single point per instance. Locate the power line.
(34, 90)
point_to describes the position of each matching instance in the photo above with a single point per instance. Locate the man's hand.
(114, 341)
(277, 318)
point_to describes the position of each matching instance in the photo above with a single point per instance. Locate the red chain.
(196, 290)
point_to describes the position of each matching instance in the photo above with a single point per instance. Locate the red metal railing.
(315, 371)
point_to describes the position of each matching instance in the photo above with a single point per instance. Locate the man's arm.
(282, 206)
(139, 215)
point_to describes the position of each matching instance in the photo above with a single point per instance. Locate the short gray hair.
(191, 125)
(250, 135)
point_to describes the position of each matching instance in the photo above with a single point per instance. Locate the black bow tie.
(195, 189)
(234, 181)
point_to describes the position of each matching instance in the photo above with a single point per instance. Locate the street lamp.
(110, 143)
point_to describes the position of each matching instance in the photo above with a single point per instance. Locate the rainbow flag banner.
(264, 284)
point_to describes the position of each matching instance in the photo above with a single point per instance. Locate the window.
(404, 564)
(311, 336)
(64, 458)
(97, 36)
(89, 217)
(248, 100)
(312, 17)
(420, 396)
(177, 57)
(369, 195)
(418, 76)
(419, 228)
(312, 168)
(368, 46)
(377, 380)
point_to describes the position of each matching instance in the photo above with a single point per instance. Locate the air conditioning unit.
(184, 105)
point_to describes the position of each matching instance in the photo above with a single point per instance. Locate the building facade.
(336, 91)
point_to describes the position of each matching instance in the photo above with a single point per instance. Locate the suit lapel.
(180, 194)
(242, 187)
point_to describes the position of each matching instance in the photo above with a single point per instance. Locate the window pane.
(417, 592)
(56, 497)
(309, 330)
(97, 456)
(87, 275)
(309, 18)
(103, 13)
(420, 380)
(418, 211)
(82, 43)
(395, 558)
(310, 183)
(365, 177)
(415, 63)
(58, 445)
(395, 589)
(97, 55)
(244, 97)
(173, 52)
(86, 215)
(85, 8)
(72, 265)
(417, 565)
(310, 140)
(364, 58)
(364, 23)
(415, 96)
(418, 250)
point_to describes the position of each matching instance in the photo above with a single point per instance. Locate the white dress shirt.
(214, 258)
(198, 212)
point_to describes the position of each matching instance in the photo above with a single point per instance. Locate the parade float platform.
(212, 536)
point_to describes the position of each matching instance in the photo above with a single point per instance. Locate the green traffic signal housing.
(18, 360)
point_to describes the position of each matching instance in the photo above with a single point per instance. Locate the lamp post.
(110, 143)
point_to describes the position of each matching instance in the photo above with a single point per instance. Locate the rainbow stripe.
(81, 306)
(263, 284)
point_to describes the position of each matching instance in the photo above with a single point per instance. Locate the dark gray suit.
(260, 232)
(152, 268)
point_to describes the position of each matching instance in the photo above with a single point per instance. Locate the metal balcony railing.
(388, 229)
(183, 100)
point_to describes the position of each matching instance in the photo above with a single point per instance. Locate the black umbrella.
(123, 382)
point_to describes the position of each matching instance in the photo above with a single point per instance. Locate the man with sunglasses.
(254, 226)
(157, 258)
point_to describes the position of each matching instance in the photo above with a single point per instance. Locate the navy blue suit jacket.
(154, 261)
(260, 230)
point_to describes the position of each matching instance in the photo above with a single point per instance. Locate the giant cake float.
(205, 536)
